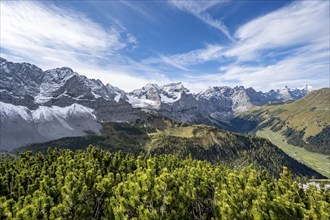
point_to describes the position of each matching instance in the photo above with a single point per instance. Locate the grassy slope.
(310, 113)
(155, 135)
(319, 162)
(305, 122)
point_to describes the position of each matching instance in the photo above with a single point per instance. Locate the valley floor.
(319, 162)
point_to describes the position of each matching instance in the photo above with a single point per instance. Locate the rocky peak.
(215, 92)
(286, 94)
(308, 88)
(116, 93)
(172, 92)
(2, 60)
(175, 87)
(60, 73)
(19, 79)
(147, 90)
(21, 70)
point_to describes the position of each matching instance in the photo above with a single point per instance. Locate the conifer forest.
(97, 184)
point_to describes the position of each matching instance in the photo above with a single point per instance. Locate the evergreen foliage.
(156, 136)
(97, 184)
(321, 140)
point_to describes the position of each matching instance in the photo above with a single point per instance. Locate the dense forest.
(156, 136)
(97, 184)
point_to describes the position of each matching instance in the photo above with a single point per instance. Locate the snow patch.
(13, 111)
(5, 68)
(142, 102)
(167, 99)
(44, 113)
(117, 97)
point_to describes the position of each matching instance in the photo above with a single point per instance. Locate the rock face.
(27, 85)
(33, 103)
(33, 90)
(210, 106)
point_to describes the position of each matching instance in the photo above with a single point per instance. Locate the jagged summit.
(27, 85)
(22, 80)
(29, 88)
(308, 88)
(153, 96)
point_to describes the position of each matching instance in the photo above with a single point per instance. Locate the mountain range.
(47, 100)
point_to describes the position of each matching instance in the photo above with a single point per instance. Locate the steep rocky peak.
(308, 88)
(19, 68)
(284, 89)
(215, 91)
(61, 73)
(3, 60)
(151, 86)
(250, 89)
(114, 89)
(175, 88)
(239, 88)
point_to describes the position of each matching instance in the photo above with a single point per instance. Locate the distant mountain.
(29, 89)
(156, 136)
(27, 85)
(305, 122)
(215, 106)
(33, 103)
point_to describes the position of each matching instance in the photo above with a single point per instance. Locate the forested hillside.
(157, 135)
(95, 184)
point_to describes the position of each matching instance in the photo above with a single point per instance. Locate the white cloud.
(301, 31)
(199, 10)
(51, 37)
(303, 22)
(32, 23)
(181, 61)
(301, 68)
(131, 39)
(295, 38)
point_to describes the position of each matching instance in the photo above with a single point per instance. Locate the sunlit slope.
(305, 122)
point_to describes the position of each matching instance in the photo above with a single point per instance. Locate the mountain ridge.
(24, 84)
(42, 83)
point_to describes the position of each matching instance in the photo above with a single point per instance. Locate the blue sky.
(260, 44)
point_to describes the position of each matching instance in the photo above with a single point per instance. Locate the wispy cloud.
(181, 61)
(289, 46)
(305, 68)
(50, 36)
(199, 10)
(301, 23)
(300, 30)
(31, 23)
